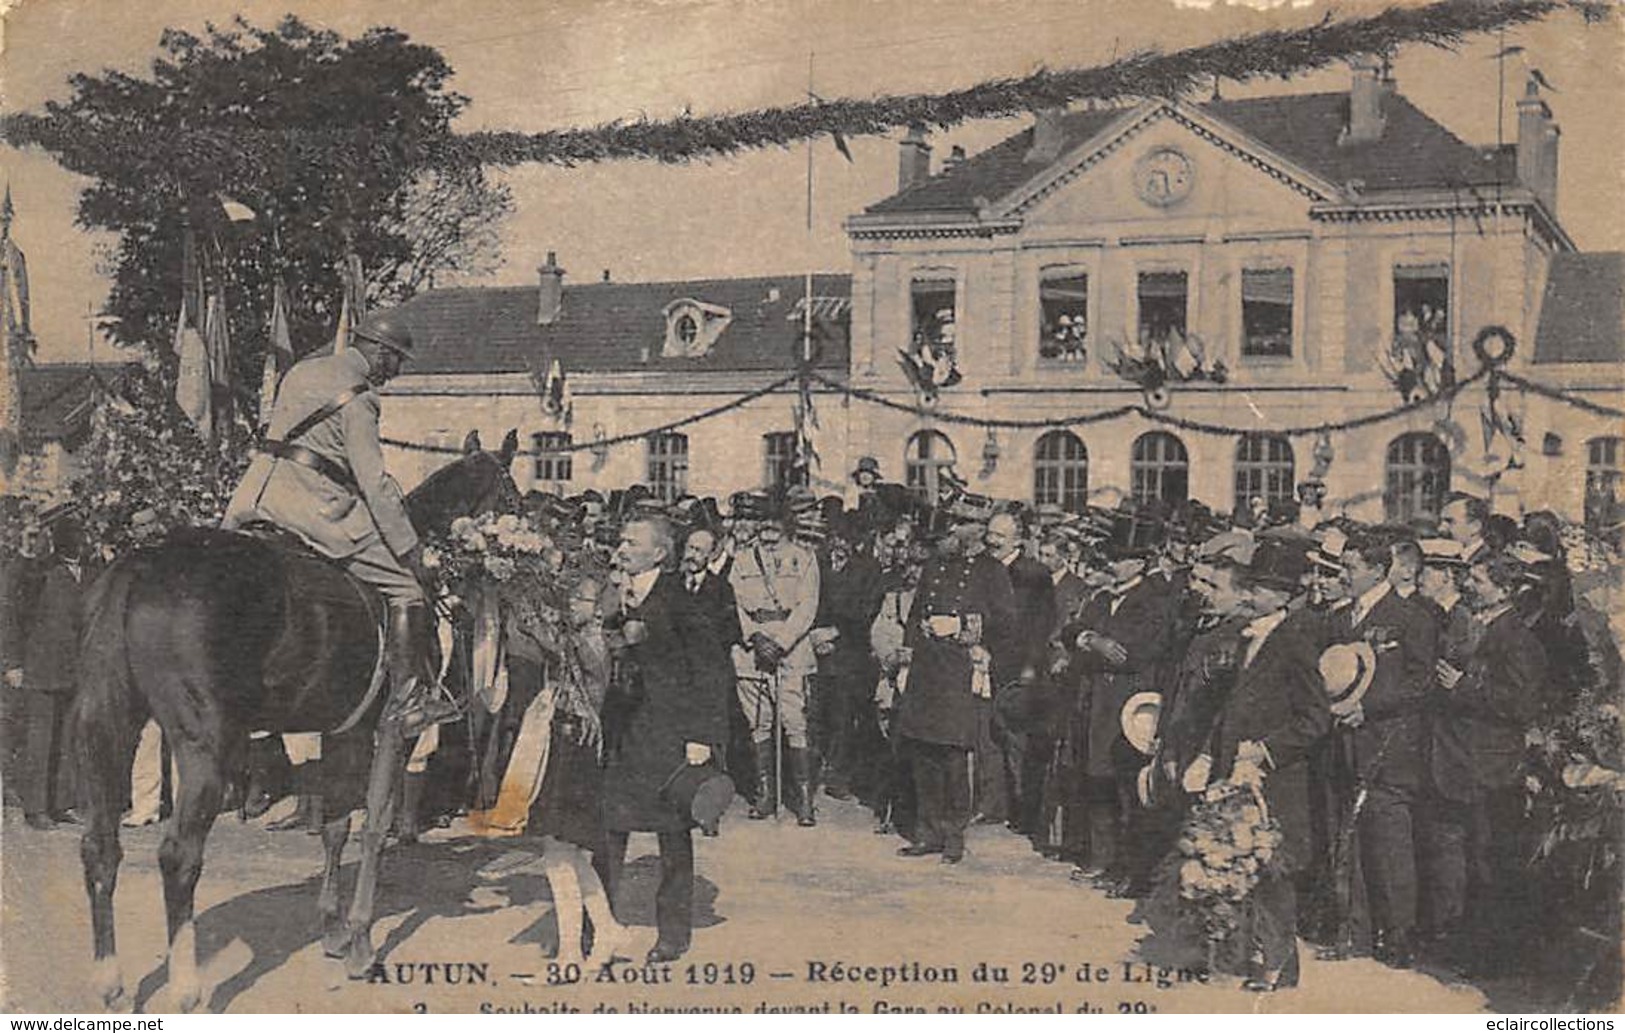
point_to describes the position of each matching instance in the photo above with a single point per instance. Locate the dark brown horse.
(215, 635)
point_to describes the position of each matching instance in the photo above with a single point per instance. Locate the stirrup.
(422, 707)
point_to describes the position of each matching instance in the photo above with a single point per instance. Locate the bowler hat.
(699, 792)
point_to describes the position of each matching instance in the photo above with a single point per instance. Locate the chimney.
(913, 159)
(1365, 101)
(956, 158)
(551, 300)
(1048, 139)
(1537, 145)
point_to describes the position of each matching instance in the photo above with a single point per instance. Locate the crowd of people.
(1080, 678)
(1085, 678)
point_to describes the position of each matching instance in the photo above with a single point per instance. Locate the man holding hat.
(1276, 712)
(320, 475)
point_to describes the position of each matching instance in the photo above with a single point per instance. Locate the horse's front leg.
(387, 759)
(335, 936)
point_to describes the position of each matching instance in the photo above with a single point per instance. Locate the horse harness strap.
(287, 449)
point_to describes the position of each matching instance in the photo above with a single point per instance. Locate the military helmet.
(385, 330)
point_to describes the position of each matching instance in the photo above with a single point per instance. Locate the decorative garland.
(619, 439)
(1148, 73)
(1319, 430)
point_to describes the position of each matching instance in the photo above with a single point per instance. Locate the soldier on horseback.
(319, 474)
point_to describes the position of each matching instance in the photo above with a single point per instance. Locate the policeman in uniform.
(775, 583)
(963, 618)
(320, 475)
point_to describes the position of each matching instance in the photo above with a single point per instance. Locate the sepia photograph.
(833, 507)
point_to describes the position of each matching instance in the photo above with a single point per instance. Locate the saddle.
(325, 612)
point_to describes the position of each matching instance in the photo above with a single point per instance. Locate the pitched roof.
(1582, 316)
(1414, 151)
(621, 327)
(56, 399)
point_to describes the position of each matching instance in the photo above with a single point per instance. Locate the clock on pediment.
(1163, 176)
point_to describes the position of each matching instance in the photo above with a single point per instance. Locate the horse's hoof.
(359, 961)
(118, 1002)
(336, 942)
(189, 1002)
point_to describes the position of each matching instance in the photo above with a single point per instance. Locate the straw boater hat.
(1139, 720)
(1442, 552)
(1347, 670)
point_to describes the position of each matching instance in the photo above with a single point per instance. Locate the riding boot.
(406, 818)
(764, 805)
(416, 699)
(799, 759)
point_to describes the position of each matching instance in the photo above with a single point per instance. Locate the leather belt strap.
(312, 461)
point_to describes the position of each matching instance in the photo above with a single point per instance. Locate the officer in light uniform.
(775, 583)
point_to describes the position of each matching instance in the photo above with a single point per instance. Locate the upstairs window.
(1422, 302)
(668, 465)
(1266, 313)
(933, 319)
(1063, 301)
(779, 469)
(554, 460)
(1163, 298)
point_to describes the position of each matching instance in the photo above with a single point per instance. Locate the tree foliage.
(332, 142)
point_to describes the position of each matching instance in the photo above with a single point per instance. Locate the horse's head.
(476, 483)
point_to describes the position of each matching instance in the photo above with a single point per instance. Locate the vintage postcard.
(613, 506)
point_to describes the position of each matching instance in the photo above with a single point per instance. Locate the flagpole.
(805, 398)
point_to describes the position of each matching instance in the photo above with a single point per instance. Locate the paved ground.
(788, 917)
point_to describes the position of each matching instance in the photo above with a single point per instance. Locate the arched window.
(1264, 470)
(1160, 468)
(1604, 480)
(779, 468)
(929, 452)
(668, 465)
(1418, 478)
(1061, 471)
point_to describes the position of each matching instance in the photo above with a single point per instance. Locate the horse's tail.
(109, 709)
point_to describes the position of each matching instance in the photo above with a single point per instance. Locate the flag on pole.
(353, 305)
(556, 400)
(194, 382)
(217, 341)
(278, 353)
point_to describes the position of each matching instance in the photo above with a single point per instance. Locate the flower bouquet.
(1227, 844)
(503, 554)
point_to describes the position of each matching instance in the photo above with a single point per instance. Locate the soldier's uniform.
(361, 522)
(320, 475)
(776, 590)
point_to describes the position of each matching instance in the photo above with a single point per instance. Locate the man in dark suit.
(1496, 697)
(1276, 713)
(671, 710)
(1024, 660)
(704, 566)
(1449, 791)
(963, 615)
(1388, 741)
(51, 677)
(849, 598)
(1055, 552)
(1120, 640)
